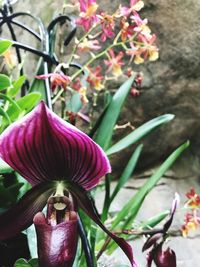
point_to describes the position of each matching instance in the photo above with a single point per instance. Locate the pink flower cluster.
(112, 38)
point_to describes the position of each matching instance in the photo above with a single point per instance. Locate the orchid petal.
(85, 202)
(43, 147)
(152, 240)
(20, 216)
(56, 244)
(175, 203)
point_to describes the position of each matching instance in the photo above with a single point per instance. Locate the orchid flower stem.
(99, 55)
(76, 46)
(104, 247)
(135, 233)
(57, 96)
(85, 244)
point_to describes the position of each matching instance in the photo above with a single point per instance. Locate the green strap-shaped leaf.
(131, 209)
(4, 46)
(39, 85)
(27, 102)
(140, 132)
(4, 167)
(105, 131)
(16, 86)
(4, 82)
(13, 110)
(5, 116)
(127, 171)
(25, 263)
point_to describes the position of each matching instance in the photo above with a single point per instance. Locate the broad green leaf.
(25, 263)
(130, 210)
(27, 102)
(75, 103)
(127, 171)
(16, 86)
(39, 85)
(13, 110)
(140, 132)
(4, 81)
(22, 263)
(4, 167)
(105, 130)
(34, 263)
(6, 117)
(155, 220)
(4, 46)
(26, 186)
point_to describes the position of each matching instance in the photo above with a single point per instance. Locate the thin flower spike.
(52, 154)
(43, 147)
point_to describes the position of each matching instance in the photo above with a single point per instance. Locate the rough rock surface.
(171, 85)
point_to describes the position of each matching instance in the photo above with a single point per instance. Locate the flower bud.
(165, 258)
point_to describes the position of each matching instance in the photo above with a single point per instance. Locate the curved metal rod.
(38, 21)
(39, 53)
(19, 58)
(70, 36)
(77, 66)
(61, 19)
(58, 19)
(34, 33)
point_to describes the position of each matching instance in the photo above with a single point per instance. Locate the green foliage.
(4, 167)
(28, 102)
(9, 189)
(140, 132)
(125, 218)
(13, 108)
(131, 209)
(105, 130)
(4, 46)
(16, 86)
(129, 169)
(25, 263)
(5, 82)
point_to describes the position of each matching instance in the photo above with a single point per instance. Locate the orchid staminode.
(62, 164)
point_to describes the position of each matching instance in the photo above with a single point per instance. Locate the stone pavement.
(159, 199)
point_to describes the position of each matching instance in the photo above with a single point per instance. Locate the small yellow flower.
(83, 93)
(138, 59)
(138, 6)
(10, 58)
(153, 54)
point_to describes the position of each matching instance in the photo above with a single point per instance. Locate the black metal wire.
(34, 33)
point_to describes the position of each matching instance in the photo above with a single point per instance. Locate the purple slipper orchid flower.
(62, 164)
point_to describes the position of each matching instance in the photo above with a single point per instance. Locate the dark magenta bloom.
(50, 154)
(161, 257)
